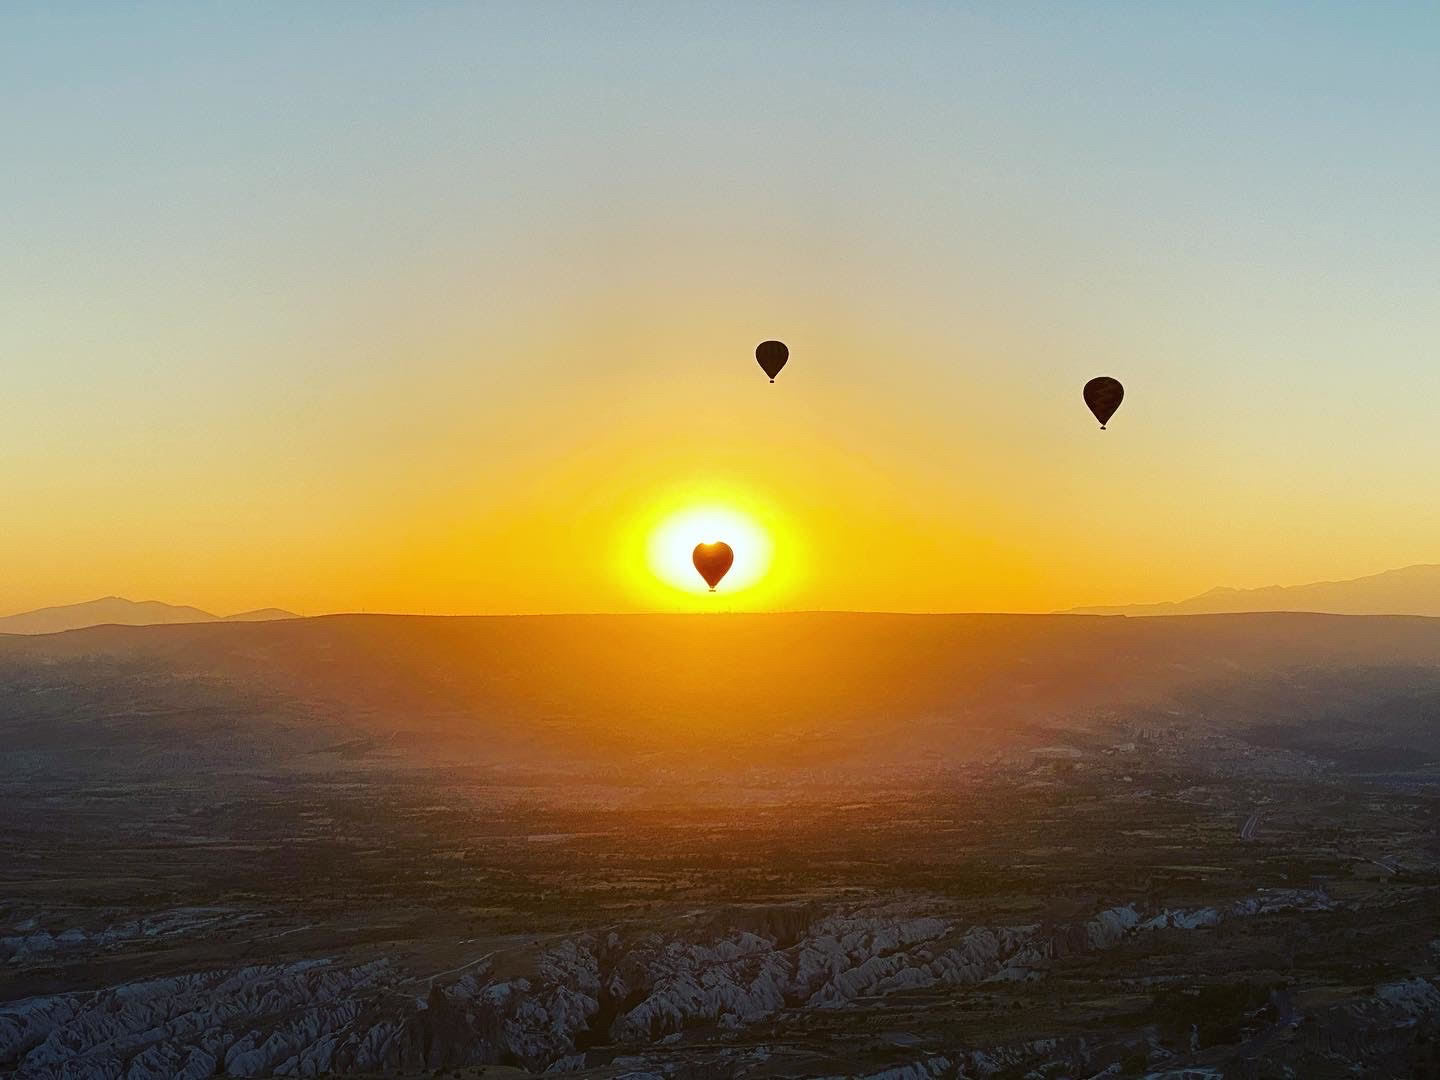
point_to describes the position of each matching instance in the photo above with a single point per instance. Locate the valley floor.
(1133, 906)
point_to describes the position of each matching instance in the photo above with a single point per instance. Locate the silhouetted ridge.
(1411, 590)
(122, 612)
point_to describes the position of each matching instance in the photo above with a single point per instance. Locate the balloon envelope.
(713, 561)
(1104, 395)
(771, 356)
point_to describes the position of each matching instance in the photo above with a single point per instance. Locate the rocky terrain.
(724, 976)
(312, 1017)
(987, 924)
(1238, 877)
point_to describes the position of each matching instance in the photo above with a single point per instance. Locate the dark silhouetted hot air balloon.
(772, 356)
(713, 561)
(1104, 395)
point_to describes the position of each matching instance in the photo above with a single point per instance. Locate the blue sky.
(273, 272)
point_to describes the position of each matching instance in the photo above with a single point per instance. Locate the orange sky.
(448, 309)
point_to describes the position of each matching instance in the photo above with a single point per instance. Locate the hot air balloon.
(1103, 396)
(713, 561)
(772, 356)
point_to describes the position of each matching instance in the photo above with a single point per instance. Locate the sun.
(673, 541)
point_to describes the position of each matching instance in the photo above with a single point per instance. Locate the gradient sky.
(443, 307)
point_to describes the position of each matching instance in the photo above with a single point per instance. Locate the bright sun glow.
(673, 543)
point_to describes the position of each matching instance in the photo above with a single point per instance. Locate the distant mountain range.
(1412, 590)
(119, 611)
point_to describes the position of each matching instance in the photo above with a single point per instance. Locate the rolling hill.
(1411, 590)
(727, 692)
(121, 612)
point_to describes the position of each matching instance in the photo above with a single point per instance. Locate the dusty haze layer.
(648, 692)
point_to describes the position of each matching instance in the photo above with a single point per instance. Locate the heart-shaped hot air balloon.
(771, 356)
(713, 561)
(1103, 396)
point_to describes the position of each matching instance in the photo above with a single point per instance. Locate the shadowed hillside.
(735, 690)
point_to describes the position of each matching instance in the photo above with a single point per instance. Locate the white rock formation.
(319, 1016)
